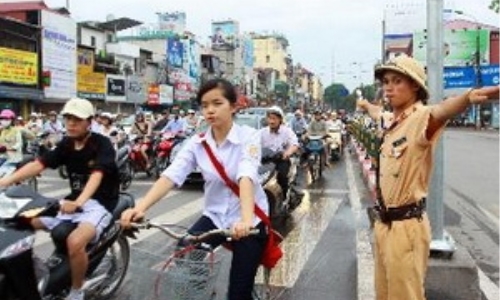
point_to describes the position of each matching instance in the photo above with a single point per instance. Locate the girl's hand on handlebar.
(131, 215)
(241, 229)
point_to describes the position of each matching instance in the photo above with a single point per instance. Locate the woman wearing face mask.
(10, 136)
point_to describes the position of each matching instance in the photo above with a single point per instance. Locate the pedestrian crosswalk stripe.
(302, 240)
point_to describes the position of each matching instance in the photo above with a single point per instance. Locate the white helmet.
(276, 110)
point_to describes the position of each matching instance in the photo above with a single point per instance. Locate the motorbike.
(137, 160)
(314, 146)
(124, 164)
(123, 148)
(25, 276)
(163, 149)
(8, 167)
(280, 205)
(336, 144)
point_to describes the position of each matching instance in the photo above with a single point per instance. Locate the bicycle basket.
(166, 275)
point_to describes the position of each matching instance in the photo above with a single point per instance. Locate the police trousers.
(401, 257)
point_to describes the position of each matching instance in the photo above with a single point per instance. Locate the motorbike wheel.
(314, 168)
(63, 172)
(159, 166)
(127, 176)
(117, 259)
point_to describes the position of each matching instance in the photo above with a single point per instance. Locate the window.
(268, 59)
(92, 41)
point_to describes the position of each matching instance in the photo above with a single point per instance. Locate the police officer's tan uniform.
(402, 244)
(402, 247)
(402, 231)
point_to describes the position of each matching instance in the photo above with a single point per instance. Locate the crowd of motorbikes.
(49, 279)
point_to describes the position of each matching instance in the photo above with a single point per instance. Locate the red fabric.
(272, 253)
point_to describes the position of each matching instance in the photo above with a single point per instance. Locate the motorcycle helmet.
(275, 110)
(7, 114)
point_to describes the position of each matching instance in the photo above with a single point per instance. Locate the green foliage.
(495, 5)
(337, 96)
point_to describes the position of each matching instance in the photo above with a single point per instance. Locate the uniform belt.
(409, 211)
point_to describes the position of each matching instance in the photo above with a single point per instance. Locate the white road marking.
(489, 288)
(365, 264)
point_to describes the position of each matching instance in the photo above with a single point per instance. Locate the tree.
(334, 95)
(495, 5)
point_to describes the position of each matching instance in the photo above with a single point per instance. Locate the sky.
(329, 37)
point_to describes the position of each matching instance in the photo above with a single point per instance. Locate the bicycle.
(189, 273)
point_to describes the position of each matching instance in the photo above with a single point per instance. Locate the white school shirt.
(239, 154)
(279, 141)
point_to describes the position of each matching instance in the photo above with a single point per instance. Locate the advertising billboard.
(460, 47)
(395, 44)
(465, 77)
(136, 91)
(191, 59)
(18, 67)
(224, 35)
(115, 88)
(59, 58)
(248, 52)
(172, 22)
(175, 52)
(166, 94)
(90, 84)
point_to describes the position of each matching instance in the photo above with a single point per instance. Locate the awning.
(21, 93)
(119, 24)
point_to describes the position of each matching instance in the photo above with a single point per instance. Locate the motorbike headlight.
(18, 247)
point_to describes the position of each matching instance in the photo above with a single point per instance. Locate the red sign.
(154, 94)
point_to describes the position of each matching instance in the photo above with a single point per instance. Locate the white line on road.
(490, 216)
(365, 267)
(489, 288)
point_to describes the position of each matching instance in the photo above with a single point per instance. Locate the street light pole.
(441, 243)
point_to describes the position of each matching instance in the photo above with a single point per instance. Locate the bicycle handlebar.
(190, 238)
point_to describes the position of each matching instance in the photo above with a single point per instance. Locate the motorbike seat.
(60, 233)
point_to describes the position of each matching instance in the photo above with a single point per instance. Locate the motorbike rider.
(93, 178)
(176, 125)
(162, 121)
(280, 138)
(191, 121)
(318, 127)
(298, 123)
(10, 136)
(55, 129)
(335, 125)
(142, 129)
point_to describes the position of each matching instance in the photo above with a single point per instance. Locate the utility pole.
(441, 243)
(479, 81)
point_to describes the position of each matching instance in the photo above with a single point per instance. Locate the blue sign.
(489, 75)
(175, 52)
(465, 77)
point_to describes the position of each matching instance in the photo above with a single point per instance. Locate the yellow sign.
(91, 85)
(85, 60)
(17, 66)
